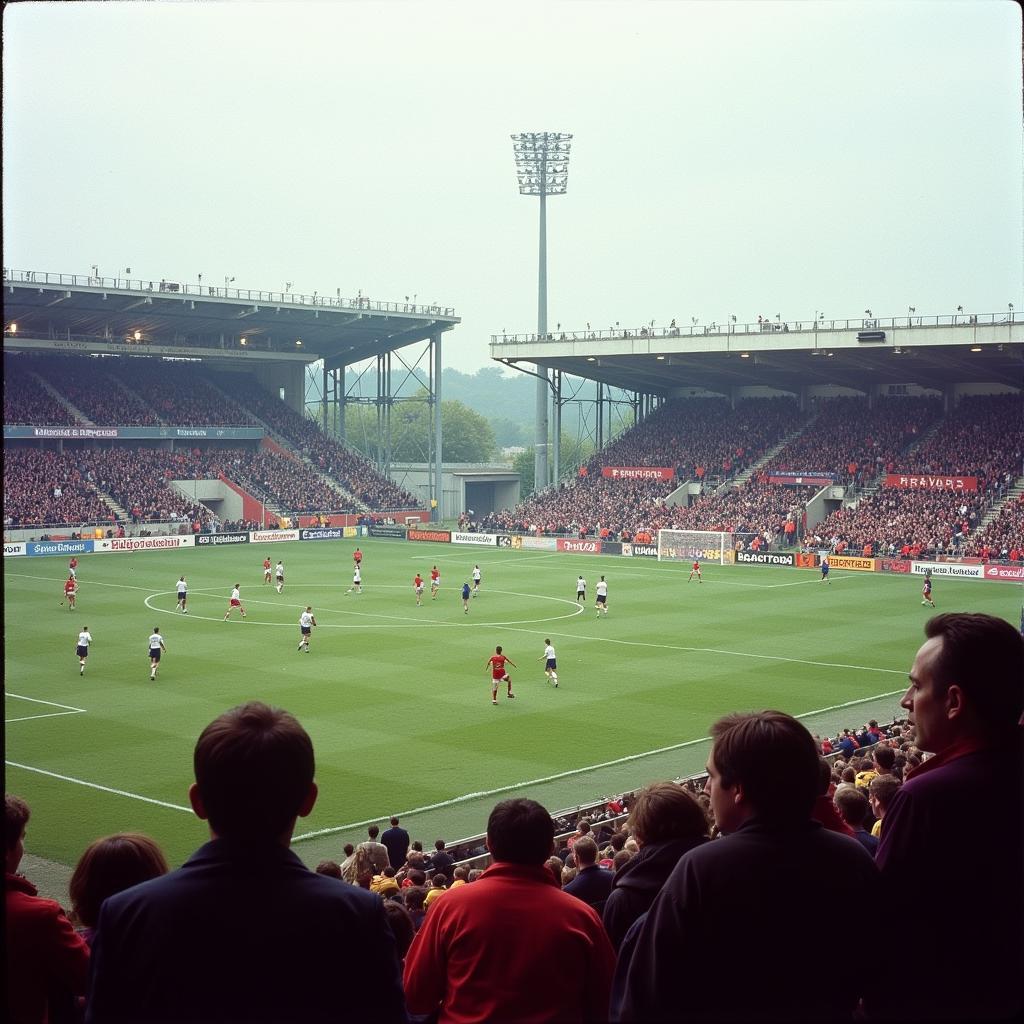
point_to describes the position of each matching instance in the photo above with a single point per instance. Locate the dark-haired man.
(396, 839)
(748, 907)
(512, 946)
(962, 886)
(244, 931)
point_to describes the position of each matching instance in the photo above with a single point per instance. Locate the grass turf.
(397, 698)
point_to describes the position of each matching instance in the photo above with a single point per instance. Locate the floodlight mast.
(542, 167)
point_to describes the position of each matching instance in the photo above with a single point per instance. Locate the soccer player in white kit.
(581, 590)
(602, 596)
(279, 574)
(235, 601)
(306, 624)
(357, 581)
(550, 664)
(82, 649)
(156, 647)
(182, 587)
(476, 580)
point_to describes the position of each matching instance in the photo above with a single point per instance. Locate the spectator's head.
(585, 852)
(331, 868)
(417, 846)
(414, 897)
(438, 844)
(460, 874)
(620, 859)
(617, 841)
(583, 826)
(16, 815)
(394, 822)
(881, 790)
(885, 759)
(401, 926)
(348, 849)
(520, 831)
(967, 681)
(663, 811)
(477, 872)
(852, 806)
(417, 877)
(110, 866)
(554, 865)
(389, 871)
(439, 881)
(373, 831)
(254, 774)
(762, 764)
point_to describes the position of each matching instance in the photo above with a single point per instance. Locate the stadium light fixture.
(975, 348)
(13, 328)
(298, 343)
(542, 170)
(137, 335)
(243, 341)
(744, 355)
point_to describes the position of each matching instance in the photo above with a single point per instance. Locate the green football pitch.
(397, 697)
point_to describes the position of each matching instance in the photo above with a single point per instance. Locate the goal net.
(702, 545)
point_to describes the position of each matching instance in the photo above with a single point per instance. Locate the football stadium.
(365, 660)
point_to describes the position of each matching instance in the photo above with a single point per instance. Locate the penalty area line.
(96, 785)
(569, 773)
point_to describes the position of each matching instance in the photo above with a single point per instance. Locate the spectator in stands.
(511, 946)
(376, 850)
(963, 887)
(854, 809)
(111, 865)
(396, 839)
(749, 906)
(666, 822)
(402, 927)
(47, 962)
(438, 887)
(880, 793)
(441, 860)
(245, 931)
(331, 868)
(592, 883)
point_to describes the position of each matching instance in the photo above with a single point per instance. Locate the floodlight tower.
(542, 167)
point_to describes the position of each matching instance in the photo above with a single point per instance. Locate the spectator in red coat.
(47, 961)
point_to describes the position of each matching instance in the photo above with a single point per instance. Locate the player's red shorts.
(498, 674)
(235, 603)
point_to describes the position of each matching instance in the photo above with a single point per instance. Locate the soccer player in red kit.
(70, 591)
(695, 569)
(417, 586)
(357, 557)
(72, 566)
(435, 582)
(266, 570)
(496, 663)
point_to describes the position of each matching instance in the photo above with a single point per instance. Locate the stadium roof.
(341, 331)
(930, 351)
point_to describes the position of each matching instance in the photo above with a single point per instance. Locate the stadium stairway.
(119, 511)
(58, 397)
(118, 383)
(741, 479)
(1013, 494)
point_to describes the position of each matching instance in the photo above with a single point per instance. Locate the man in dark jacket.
(748, 907)
(666, 822)
(396, 839)
(592, 883)
(244, 931)
(441, 861)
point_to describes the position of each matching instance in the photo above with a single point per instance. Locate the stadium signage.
(143, 543)
(387, 531)
(805, 560)
(503, 540)
(894, 565)
(583, 547)
(137, 433)
(851, 562)
(638, 472)
(474, 538)
(322, 533)
(931, 483)
(438, 536)
(818, 479)
(1004, 572)
(536, 543)
(212, 539)
(59, 547)
(73, 432)
(948, 569)
(640, 550)
(13, 549)
(764, 558)
(272, 536)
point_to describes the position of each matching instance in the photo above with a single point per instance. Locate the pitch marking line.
(562, 775)
(96, 785)
(67, 709)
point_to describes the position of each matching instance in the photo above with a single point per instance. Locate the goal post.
(717, 546)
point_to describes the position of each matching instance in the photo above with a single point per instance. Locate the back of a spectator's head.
(852, 805)
(984, 657)
(585, 851)
(414, 897)
(254, 773)
(617, 841)
(583, 826)
(401, 926)
(438, 844)
(109, 866)
(394, 822)
(16, 815)
(389, 871)
(621, 858)
(849, 774)
(476, 873)
(440, 880)
(554, 865)
(373, 831)
(520, 831)
(663, 811)
(416, 876)
(885, 757)
(331, 868)
(882, 789)
(771, 758)
(461, 874)
(348, 849)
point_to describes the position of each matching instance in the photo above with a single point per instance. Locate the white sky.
(729, 158)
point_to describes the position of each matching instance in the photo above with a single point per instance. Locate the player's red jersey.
(73, 564)
(417, 581)
(266, 563)
(69, 586)
(435, 575)
(498, 665)
(358, 556)
(696, 566)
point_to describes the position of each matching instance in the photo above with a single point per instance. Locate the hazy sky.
(728, 158)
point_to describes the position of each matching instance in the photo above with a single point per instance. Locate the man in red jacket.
(511, 947)
(46, 957)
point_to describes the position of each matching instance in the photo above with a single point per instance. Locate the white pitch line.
(96, 785)
(52, 704)
(497, 791)
(32, 718)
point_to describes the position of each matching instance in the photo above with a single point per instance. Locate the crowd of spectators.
(43, 486)
(287, 482)
(87, 385)
(1003, 538)
(352, 471)
(27, 402)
